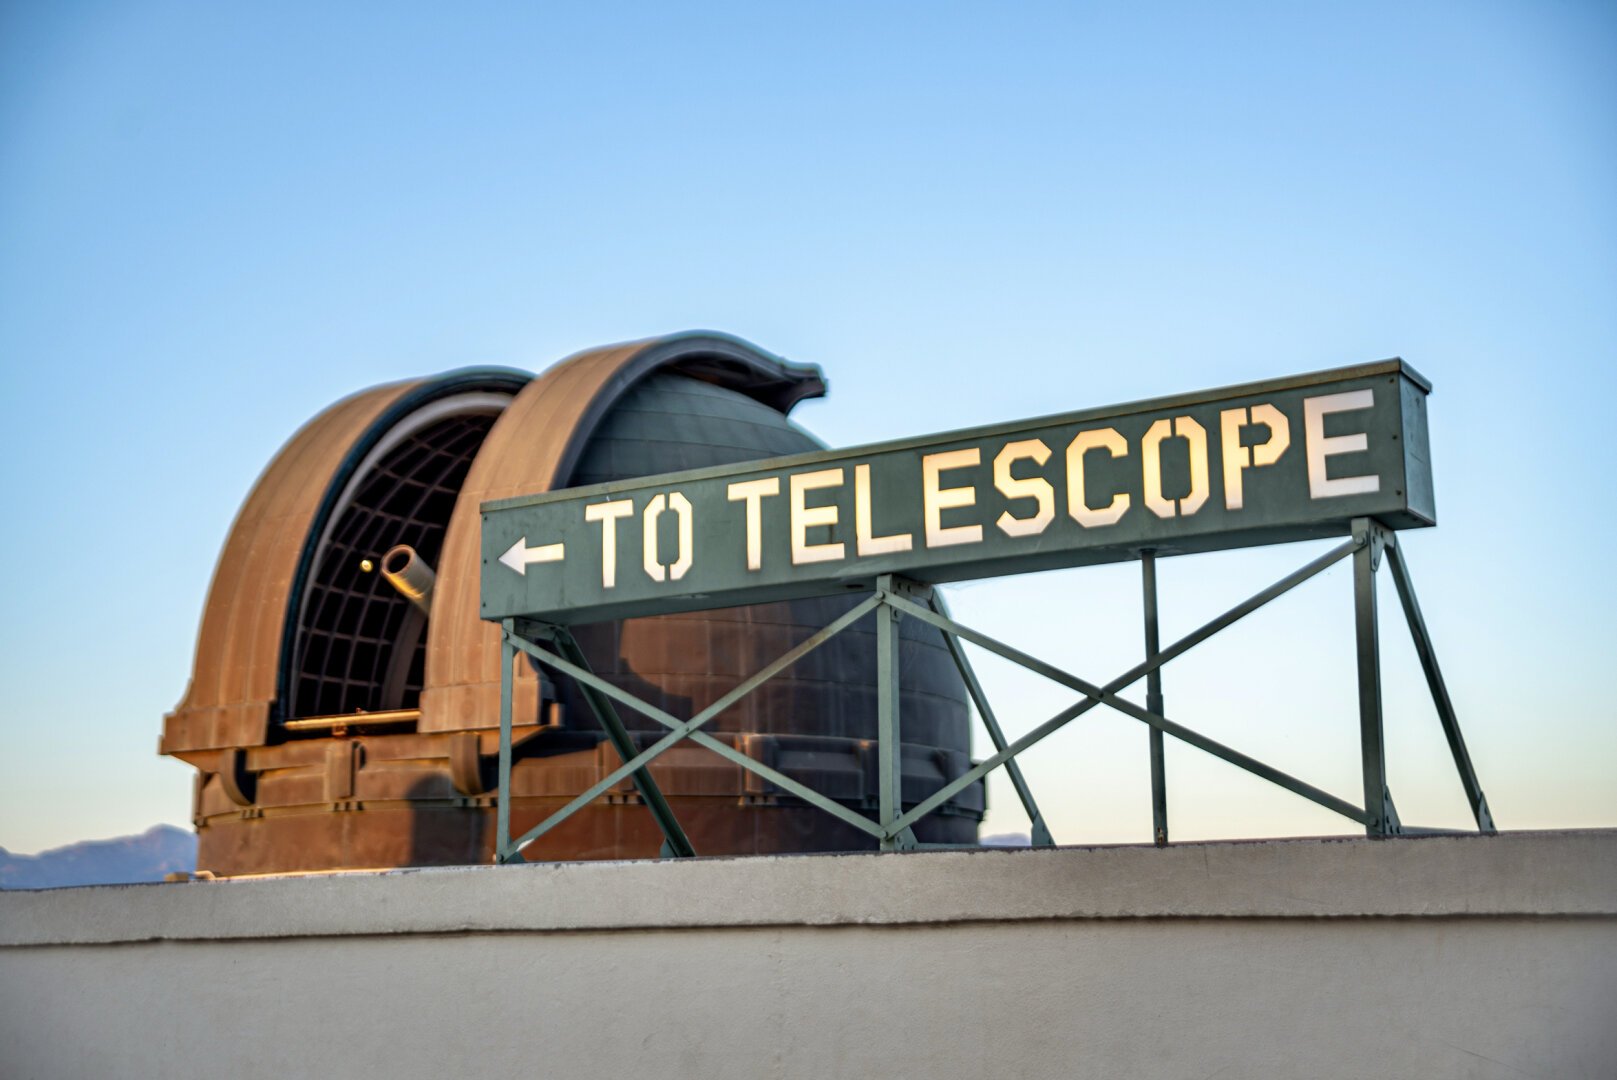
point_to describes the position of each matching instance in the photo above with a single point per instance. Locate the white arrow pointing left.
(519, 555)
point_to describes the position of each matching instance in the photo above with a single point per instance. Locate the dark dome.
(670, 423)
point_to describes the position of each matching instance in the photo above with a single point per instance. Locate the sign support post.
(502, 814)
(1153, 701)
(889, 739)
(1372, 740)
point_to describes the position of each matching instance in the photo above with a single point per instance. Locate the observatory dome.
(335, 724)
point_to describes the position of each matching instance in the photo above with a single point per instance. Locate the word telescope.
(1269, 462)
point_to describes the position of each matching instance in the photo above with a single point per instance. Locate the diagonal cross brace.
(675, 843)
(1039, 832)
(1439, 689)
(1096, 695)
(688, 728)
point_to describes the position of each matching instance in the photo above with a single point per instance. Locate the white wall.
(1421, 958)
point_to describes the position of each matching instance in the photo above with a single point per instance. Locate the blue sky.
(215, 220)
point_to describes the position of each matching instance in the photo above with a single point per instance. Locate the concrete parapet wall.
(1430, 957)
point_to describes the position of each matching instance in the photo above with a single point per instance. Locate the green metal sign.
(1288, 459)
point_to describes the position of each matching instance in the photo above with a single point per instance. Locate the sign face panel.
(1289, 459)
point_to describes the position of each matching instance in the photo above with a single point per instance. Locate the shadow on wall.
(441, 831)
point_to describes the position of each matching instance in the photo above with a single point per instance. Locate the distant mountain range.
(161, 849)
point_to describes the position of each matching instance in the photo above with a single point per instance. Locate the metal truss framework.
(894, 597)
